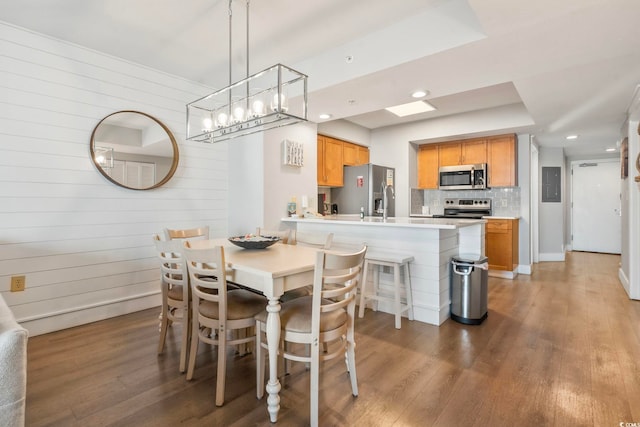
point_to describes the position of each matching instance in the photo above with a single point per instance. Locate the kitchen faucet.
(385, 200)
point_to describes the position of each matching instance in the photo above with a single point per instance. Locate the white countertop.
(501, 217)
(411, 222)
(484, 217)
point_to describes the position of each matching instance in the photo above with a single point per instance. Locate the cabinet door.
(474, 151)
(502, 161)
(320, 171)
(502, 244)
(428, 166)
(498, 244)
(333, 163)
(363, 155)
(349, 154)
(450, 154)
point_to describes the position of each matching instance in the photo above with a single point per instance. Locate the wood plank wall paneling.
(83, 243)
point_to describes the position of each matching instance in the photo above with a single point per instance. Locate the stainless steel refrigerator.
(363, 187)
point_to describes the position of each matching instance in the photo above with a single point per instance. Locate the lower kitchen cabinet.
(501, 247)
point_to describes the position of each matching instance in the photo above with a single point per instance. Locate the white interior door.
(595, 214)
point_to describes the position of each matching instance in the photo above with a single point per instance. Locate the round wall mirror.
(134, 150)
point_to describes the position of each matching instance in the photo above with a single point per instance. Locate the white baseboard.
(525, 269)
(551, 256)
(624, 280)
(51, 322)
(431, 315)
(503, 274)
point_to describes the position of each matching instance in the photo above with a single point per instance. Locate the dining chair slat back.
(217, 310)
(317, 240)
(196, 233)
(176, 295)
(326, 316)
(283, 235)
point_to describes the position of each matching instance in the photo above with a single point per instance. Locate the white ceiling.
(571, 66)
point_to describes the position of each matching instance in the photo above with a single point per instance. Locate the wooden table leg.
(273, 340)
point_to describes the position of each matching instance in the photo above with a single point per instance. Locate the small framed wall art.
(292, 153)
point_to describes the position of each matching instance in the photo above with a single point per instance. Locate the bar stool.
(396, 261)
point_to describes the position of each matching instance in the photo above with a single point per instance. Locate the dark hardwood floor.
(560, 348)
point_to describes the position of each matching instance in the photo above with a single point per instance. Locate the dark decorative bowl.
(254, 242)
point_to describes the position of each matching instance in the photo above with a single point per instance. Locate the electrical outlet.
(504, 203)
(18, 283)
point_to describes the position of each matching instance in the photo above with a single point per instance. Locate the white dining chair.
(316, 240)
(327, 316)
(215, 309)
(283, 235)
(196, 233)
(176, 295)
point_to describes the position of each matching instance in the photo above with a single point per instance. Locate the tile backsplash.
(505, 201)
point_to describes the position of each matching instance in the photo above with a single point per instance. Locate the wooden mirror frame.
(158, 183)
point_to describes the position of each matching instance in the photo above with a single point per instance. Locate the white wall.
(347, 131)
(283, 182)
(246, 186)
(524, 182)
(83, 243)
(630, 269)
(260, 186)
(552, 215)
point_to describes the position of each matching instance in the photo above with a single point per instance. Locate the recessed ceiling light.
(610, 150)
(572, 137)
(324, 116)
(420, 93)
(411, 108)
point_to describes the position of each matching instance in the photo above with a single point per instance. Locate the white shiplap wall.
(83, 243)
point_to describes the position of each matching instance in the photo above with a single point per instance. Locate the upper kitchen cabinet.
(354, 154)
(465, 152)
(450, 154)
(502, 161)
(330, 162)
(363, 155)
(474, 151)
(428, 164)
(498, 152)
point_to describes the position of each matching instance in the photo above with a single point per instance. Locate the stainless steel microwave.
(463, 177)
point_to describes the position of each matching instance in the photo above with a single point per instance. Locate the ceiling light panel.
(411, 108)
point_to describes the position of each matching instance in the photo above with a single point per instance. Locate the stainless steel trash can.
(469, 279)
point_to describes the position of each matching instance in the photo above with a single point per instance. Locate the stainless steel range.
(466, 208)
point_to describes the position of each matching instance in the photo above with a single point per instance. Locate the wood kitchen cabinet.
(330, 162)
(474, 151)
(467, 152)
(363, 155)
(498, 152)
(354, 154)
(349, 154)
(502, 161)
(450, 154)
(428, 163)
(501, 247)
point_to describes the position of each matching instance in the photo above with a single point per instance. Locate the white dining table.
(271, 271)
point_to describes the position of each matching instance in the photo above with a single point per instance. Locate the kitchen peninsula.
(432, 242)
